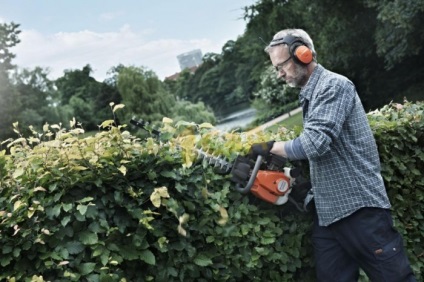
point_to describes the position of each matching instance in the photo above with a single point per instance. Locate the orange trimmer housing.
(271, 186)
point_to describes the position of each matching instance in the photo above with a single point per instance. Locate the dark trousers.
(367, 240)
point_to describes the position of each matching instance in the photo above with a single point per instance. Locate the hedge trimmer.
(267, 179)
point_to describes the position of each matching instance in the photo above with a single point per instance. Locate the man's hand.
(261, 149)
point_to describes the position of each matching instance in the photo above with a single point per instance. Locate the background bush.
(112, 207)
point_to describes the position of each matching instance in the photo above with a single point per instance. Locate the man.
(353, 225)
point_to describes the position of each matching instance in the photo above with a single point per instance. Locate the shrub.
(112, 207)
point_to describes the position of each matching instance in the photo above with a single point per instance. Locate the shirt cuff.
(294, 150)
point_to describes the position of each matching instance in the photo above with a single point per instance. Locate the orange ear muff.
(297, 48)
(303, 54)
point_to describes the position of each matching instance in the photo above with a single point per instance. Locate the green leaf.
(264, 221)
(7, 249)
(88, 238)
(129, 253)
(180, 188)
(267, 241)
(65, 220)
(416, 172)
(74, 247)
(148, 257)
(86, 199)
(202, 260)
(82, 209)
(67, 207)
(104, 257)
(86, 268)
(168, 173)
(5, 260)
(64, 253)
(53, 212)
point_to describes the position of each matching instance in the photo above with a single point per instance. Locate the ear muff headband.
(297, 48)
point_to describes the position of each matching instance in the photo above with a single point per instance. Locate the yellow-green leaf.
(107, 123)
(183, 219)
(167, 120)
(182, 231)
(123, 169)
(158, 193)
(17, 205)
(16, 141)
(79, 168)
(72, 122)
(30, 212)
(18, 172)
(206, 125)
(39, 188)
(224, 216)
(117, 107)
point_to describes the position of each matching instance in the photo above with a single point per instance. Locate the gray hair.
(296, 33)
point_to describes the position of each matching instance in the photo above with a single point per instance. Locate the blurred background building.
(190, 59)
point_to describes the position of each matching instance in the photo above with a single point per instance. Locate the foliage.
(8, 39)
(379, 48)
(215, 82)
(397, 36)
(112, 207)
(272, 90)
(399, 131)
(148, 98)
(273, 98)
(9, 107)
(78, 90)
(197, 113)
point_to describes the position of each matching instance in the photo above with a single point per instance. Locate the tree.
(9, 106)
(379, 46)
(37, 98)
(143, 94)
(79, 90)
(398, 33)
(8, 39)
(197, 113)
(77, 82)
(9, 100)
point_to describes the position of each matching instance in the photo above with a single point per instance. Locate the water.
(237, 119)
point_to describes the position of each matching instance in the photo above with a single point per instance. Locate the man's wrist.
(278, 149)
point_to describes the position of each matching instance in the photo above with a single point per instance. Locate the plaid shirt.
(340, 147)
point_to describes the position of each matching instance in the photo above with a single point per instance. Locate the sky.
(66, 35)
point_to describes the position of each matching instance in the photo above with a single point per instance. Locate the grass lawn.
(294, 120)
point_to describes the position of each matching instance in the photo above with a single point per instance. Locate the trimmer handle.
(246, 189)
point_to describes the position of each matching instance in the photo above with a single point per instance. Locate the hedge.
(114, 207)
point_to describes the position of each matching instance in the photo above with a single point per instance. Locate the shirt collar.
(308, 89)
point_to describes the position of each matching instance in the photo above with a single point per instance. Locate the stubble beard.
(300, 76)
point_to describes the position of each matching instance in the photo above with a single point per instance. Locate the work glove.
(261, 149)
